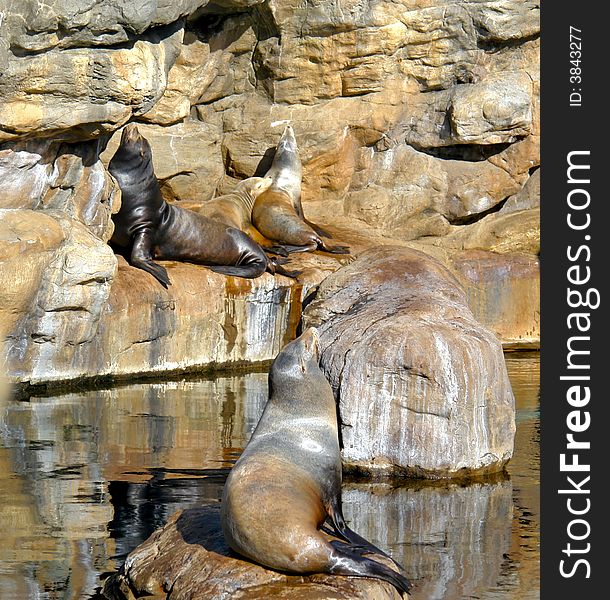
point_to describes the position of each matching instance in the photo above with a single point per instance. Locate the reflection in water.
(86, 477)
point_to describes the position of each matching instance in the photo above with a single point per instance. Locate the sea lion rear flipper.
(294, 249)
(344, 532)
(318, 229)
(279, 250)
(141, 258)
(346, 562)
(247, 271)
(292, 274)
(333, 249)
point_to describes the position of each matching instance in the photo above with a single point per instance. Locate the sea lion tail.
(346, 562)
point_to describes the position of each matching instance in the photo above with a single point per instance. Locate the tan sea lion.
(235, 208)
(155, 229)
(278, 213)
(287, 481)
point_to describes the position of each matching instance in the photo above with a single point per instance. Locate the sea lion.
(278, 213)
(156, 229)
(235, 210)
(287, 481)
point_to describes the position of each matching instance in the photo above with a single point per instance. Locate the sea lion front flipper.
(141, 258)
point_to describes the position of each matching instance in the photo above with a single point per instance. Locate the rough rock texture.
(418, 122)
(188, 559)
(68, 178)
(203, 320)
(58, 277)
(422, 386)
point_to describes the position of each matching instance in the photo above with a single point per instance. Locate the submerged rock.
(188, 559)
(422, 386)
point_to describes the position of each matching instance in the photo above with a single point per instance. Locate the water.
(86, 477)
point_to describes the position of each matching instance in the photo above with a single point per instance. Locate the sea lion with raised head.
(287, 481)
(235, 210)
(278, 213)
(155, 229)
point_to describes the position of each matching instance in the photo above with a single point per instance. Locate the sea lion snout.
(311, 342)
(130, 134)
(288, 141)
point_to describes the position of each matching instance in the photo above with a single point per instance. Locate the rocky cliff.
(418, 123)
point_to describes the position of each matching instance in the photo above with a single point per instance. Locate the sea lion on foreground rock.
(156, 229)
(278, 213)
(287, 481)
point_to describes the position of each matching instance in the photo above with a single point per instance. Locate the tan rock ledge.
(188, 560)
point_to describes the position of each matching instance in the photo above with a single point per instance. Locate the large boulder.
(188, 558)
(422, 386)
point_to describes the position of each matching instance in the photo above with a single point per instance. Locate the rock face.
(134, 326)
(422, 386)
(188, 558)
(418, 122)
(58, 277)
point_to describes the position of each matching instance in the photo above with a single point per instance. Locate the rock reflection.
(85, 477)
(451, 538)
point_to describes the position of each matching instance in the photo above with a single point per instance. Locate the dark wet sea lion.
(287, 482)
(278, 213)
(155, 229)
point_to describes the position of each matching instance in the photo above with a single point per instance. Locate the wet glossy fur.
(156, 229)
(288, 479)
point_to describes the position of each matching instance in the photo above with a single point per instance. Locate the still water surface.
(86, 477)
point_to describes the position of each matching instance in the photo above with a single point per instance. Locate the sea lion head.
(133, 144)
(297, 358)
(255, 186)
(288, 141)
